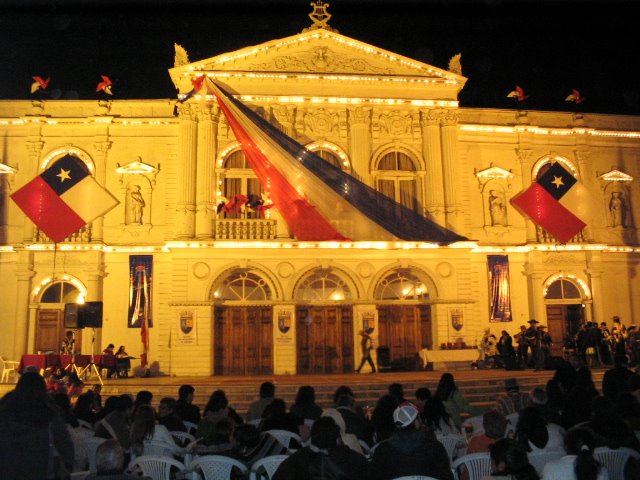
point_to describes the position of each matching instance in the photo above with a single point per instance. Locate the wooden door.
(563, 320)
(324, 340)
(243, 339)
(405, 330)
(50, 331)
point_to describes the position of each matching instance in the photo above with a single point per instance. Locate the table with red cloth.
(51, 361)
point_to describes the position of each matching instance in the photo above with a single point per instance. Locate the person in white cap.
(410, 451)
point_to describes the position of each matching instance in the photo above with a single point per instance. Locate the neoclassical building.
(232, 291)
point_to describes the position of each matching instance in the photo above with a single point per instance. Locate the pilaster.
(432, 153)
(187, 167)
(100, 147)
(451, 174)
(206, 155)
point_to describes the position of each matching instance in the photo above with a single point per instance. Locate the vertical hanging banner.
(499, 290)
(140, 283)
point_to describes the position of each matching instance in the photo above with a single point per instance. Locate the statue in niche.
(497, 209)
(134, 206)
(617, 208)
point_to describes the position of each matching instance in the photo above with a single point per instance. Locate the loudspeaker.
(384, 358)
(71, 315)
(90, 315)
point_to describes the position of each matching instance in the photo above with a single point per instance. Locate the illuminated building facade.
(234, 293)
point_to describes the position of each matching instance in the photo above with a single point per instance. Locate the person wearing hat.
(409, 451)
(531, 343)
(367, 345)
(544, 347)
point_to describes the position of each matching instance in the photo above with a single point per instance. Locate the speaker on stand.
(90, 316)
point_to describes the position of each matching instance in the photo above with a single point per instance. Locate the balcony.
(245, 229)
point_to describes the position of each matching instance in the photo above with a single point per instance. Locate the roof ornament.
(455, 65)
(320, 17)
(181, 57)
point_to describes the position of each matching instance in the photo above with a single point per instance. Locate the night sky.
(547, 47)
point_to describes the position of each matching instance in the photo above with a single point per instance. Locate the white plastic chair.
(475, 423)
(158, 449)
(91, 444)
(455, 444)
(182, 438)
(540, 459)
(192, 428)
(477, 465)
(7, 369)
(85, 424)
(285, 437)
(158, 468)
(614, 460)
(266, 467)
(216, 467)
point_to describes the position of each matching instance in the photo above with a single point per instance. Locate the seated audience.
(305, 406)
(578, 463)
(279, 419)
(116, 423)
(348, 439)
(77, 433)
(509, 461)
(454, 402)
(422, 395)
(256, 408)
(534, 434)
(355, 420)
(381, 425)
(168, 417)
(410, 451)
(397, 391)
(110, 463)
(324, 458)
(218, 441)
(495, 428)
(253, 445)
(186, 410)
(435, 418)
(513, 400)
(216, 409)
(144, 428)
(616, 379)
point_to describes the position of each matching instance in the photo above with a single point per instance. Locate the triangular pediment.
(494, 172)
(316, 53)
(136, 167)
(616, 176)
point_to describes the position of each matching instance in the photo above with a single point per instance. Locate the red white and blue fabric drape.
(319, 201)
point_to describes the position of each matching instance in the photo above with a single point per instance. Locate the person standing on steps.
(367, 345)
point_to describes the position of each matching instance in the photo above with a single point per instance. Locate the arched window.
(237, 178)
(402, 284)
(61, 292)
(397, 179)
(242, 285)
(330, 157)
(563, 290)
(323, 286)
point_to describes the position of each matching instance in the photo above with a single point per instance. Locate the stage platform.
(480, 387)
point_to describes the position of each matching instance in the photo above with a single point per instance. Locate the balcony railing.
(246, 229)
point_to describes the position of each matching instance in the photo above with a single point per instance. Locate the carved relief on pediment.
(555, 258)
(321, 122)
(320, 59)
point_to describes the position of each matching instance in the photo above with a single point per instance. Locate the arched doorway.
(324, 324)
(50, 329)
(243, 324)
(404, 317)
(565, 311)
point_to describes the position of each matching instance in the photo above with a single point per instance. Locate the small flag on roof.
(39, 84)
(518, 94)
(105, 85)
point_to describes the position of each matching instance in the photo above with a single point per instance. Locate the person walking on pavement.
(367, 345)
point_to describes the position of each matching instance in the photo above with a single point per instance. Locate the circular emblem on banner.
(201, 270)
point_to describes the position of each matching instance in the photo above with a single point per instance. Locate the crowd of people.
(595, 344)
(43, 433)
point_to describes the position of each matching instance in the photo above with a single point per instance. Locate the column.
(451, 173)
(101, 146)
(34, 146)
(24, 273)
(206, 157)
(187, 151)
(537, 308)
(526, 165)
(360, 142)
(595, 277)
(587, 177)
(432, 153)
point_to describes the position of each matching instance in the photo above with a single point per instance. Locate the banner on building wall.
(140, 291)
(187, 331)
(499, 289)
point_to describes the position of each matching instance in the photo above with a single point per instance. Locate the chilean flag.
(63, 198)
(319, 201)
(557, 202)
